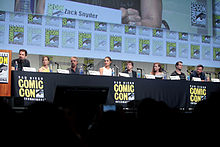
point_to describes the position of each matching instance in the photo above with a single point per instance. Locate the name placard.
(148, 76)
(174, 78)
(196, 79)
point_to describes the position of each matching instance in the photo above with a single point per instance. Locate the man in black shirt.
(22, 61)
(129, 70)
(73, 69)
(178, 72)
(198, 73)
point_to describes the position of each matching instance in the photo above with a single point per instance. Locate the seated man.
(22, 61)
(130, 70)
(178, 72)
(198, 73)
(73, 69)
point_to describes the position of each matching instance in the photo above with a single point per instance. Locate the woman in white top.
(106, 70)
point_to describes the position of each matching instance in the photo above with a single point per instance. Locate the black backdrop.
(175, 94)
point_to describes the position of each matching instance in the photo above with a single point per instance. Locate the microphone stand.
(86, 66)
(117, 70)
(58, 66)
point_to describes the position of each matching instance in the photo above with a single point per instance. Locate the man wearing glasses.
(178, 72)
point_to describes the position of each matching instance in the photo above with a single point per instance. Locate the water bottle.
(81, 70)
(188, 77)
(138, 75)
(113, 72)
(165, 76)
(16, 65)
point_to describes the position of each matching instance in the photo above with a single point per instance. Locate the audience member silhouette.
(155, 123)
(49, 126)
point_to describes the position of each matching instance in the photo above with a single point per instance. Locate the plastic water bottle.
(165, 76)
(81, 70)
(138, 75)
(16, 65)
(113, 72)
(188, 77)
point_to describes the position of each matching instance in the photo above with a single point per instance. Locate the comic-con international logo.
(31, 88)
(59, 10)
(124, 91)
(4, 61)
(55, 10)
(197, 93)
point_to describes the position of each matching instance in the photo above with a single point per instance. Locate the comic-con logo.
(123, 91)
(55, 10)
(4, 59)
(197, 93)
(31, 88)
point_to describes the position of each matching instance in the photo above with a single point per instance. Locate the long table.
(35, 86)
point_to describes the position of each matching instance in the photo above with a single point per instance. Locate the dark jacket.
(71, 71)
(194, 74)
(182, 75)
(134, 73)
(21, 63)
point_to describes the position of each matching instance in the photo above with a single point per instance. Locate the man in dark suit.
(129, 69)
(22, 61)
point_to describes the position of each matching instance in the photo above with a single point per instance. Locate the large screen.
(189, 16)
(64, 36)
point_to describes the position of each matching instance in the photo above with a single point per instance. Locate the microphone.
(126, 69)
(209, 73)
(163, 70)
(139, 69)
(117, 70)
(189, 71)
(58, 65)
(90, 65)
(116, 66)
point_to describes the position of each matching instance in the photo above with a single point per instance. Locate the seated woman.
(45, 67)
(157, 71)
(106, 70)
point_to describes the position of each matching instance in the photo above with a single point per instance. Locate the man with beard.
(73, 69)
(199, 73)
(178, 72)
(22, 61)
